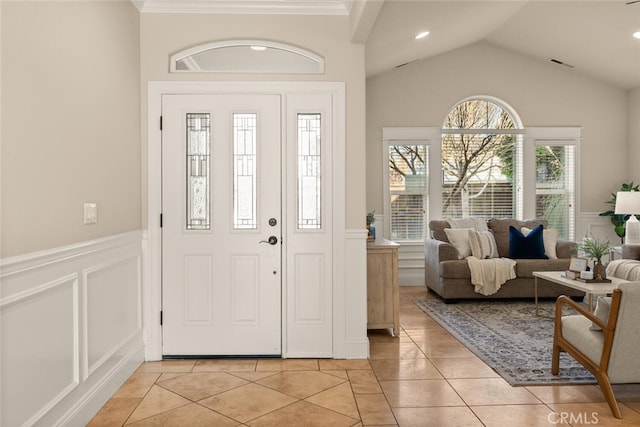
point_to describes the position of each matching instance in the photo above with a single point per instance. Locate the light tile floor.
(423, 378)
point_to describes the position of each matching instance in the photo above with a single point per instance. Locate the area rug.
(509, 337)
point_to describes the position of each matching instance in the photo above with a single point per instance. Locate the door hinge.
(160, 317)
(160, 122)
(160, 220)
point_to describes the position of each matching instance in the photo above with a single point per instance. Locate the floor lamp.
(628, 203)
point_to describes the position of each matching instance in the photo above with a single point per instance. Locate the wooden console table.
(383, 294)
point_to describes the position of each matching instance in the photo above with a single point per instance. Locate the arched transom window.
(247, 56)
(480, 160)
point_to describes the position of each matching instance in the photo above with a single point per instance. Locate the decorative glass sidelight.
(245, 212)
(309, 172)
(198, 171)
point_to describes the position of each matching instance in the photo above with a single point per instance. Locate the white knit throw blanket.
(627, 269)
(488, 275)
(477, 224)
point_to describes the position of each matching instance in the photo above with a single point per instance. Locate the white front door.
(221, 225)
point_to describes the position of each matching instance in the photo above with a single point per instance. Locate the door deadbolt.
(273, 222)
(273, 240)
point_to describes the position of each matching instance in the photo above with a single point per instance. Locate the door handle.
(273, 240)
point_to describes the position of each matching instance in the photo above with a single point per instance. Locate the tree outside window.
(478, 148)
(408, 191)
(483, 154)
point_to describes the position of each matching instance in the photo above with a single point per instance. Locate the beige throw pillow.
(549, 238)
(483, 244)
(603, 307)
(459, 238)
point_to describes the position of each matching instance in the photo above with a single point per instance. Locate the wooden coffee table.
(589, 288)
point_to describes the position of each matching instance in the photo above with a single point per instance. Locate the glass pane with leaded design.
(309, 172)
(245, 211)
(198, 171)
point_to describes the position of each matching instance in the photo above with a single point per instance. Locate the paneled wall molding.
(21, 263)
(71, 329)
(354, 305)
(591, 223)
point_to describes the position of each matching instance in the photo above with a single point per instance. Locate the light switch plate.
(90, 213)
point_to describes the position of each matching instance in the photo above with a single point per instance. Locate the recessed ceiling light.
(422, 35)
(258, 48)
(636, 34)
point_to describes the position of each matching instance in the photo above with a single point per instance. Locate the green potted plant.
(618, 220)
(595, 249)
(370, 220)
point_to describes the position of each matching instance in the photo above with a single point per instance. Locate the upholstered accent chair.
(606, 342)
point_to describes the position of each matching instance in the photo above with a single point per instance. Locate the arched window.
(481, 160)
(483, 163)
(246, 56)
(493, 167)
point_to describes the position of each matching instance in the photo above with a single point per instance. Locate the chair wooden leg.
(605, 386)
(555, 360)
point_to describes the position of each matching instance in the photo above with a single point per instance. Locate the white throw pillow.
(550, 239)
(603, 307)
(459, 238)
(483, 244)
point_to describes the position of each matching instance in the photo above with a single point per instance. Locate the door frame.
(152, 249)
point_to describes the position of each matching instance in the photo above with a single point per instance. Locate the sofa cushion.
(500, 229)
(529, 246)
(526, 267)
(458, 269)
(437, 229)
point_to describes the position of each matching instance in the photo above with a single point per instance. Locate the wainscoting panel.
(354, 302)
(111, 308)
(45, 318)
(71, 329)
(411, 264)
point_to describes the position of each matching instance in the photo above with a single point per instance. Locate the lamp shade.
(627, 203)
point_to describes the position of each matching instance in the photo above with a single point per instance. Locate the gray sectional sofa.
(450, 277)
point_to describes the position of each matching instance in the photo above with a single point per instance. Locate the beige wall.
(633, 116)
(543, 94)
(70, 122)
(165, 34)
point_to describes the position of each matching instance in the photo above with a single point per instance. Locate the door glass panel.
(309, 172)
(244, 171)
(198, 177)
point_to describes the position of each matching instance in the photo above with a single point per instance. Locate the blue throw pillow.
(530, 246)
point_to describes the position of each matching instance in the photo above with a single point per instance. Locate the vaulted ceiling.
(590, 37)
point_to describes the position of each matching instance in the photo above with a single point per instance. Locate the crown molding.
(269, 7)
